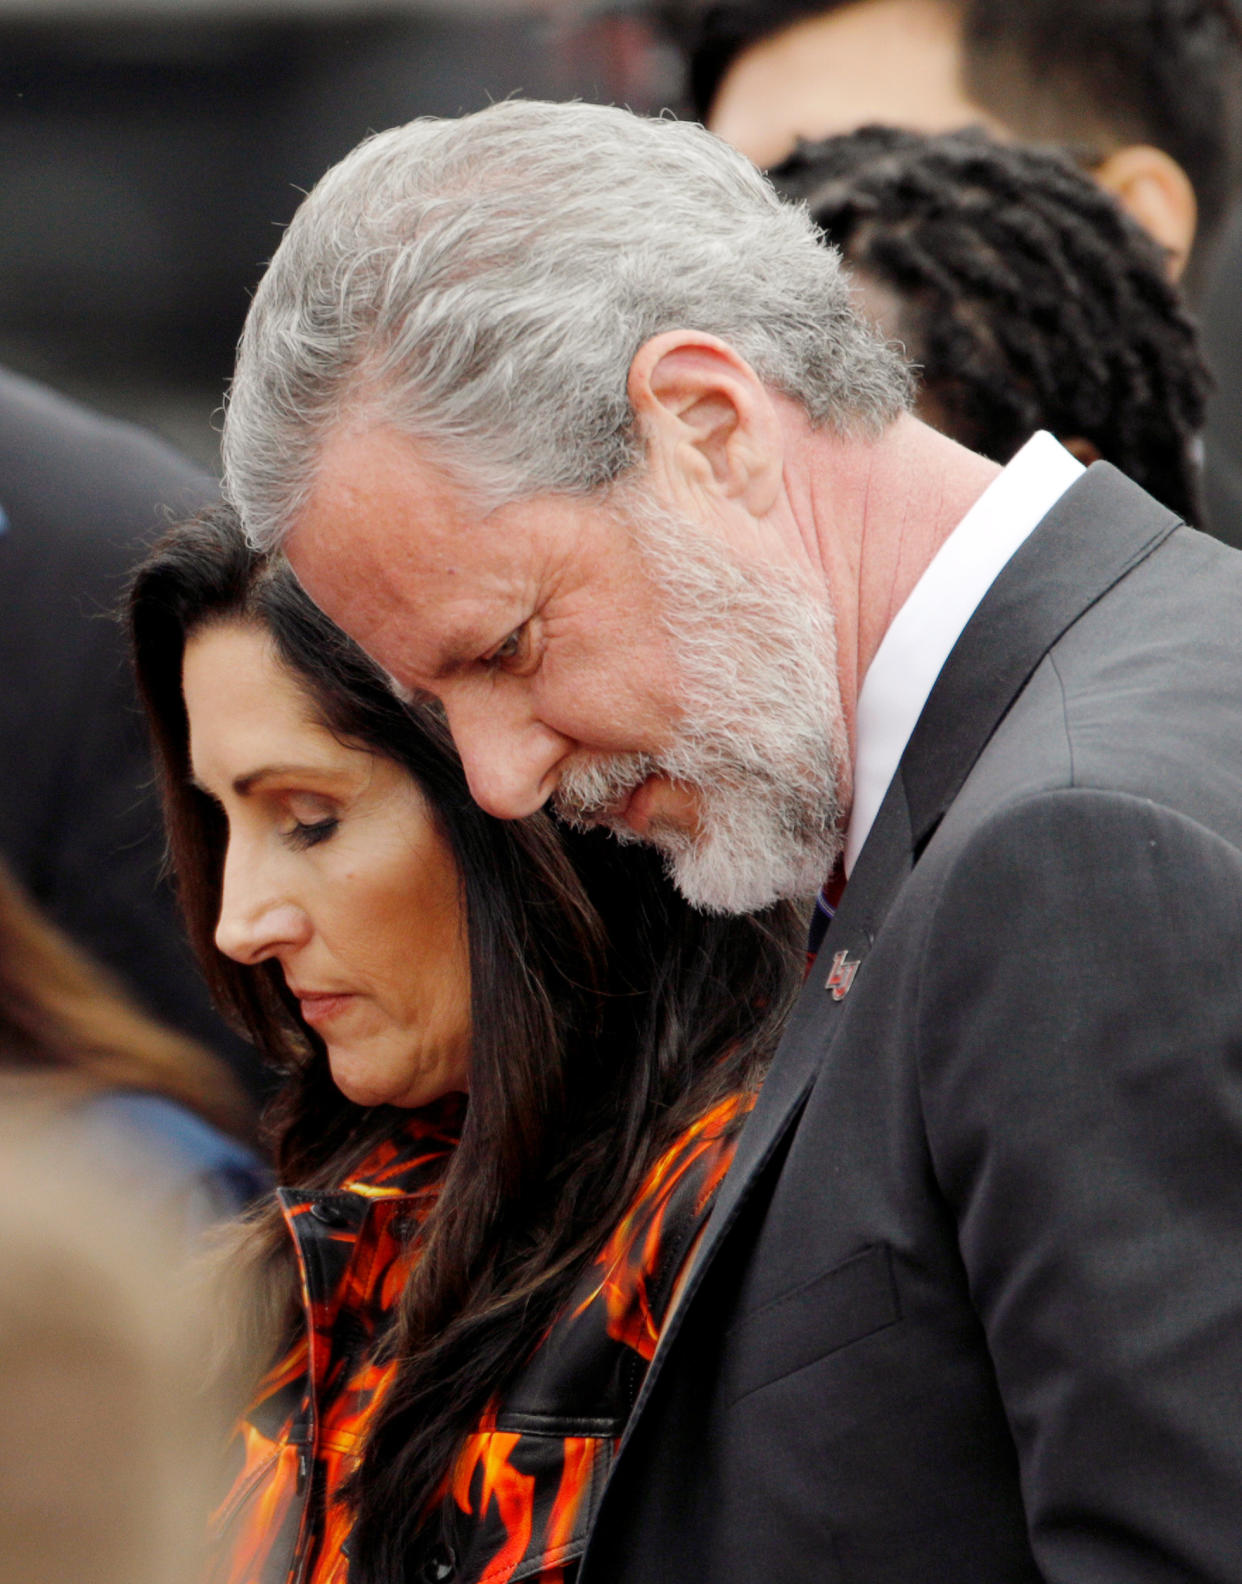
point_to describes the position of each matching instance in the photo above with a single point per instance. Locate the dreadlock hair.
(1097, 75)
(1025, 294)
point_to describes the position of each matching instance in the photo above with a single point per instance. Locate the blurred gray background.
(151, 149)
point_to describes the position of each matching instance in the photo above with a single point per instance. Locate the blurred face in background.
(892, 61)
(335, 869)
(902, 63)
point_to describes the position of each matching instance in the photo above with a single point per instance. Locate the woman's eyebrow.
(243, 785)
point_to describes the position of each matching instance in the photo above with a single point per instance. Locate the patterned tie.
(826, 904)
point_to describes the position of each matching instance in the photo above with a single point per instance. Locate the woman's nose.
(256, 919)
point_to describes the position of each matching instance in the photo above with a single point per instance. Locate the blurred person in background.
(152, 1112)
(1023, 294)
(1145, 94)
(81, 499)
(106, 1458)
(516, 1065)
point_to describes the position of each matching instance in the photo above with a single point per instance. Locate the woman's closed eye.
(310, 820)
(309, 833)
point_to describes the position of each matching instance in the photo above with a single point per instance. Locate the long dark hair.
(607, 1015)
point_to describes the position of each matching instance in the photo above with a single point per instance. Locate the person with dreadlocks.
(1022, 292)
(1146, 95)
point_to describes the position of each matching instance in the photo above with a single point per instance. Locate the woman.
(462, 1295)
(155, 1114)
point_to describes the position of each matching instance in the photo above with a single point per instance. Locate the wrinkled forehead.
(376, 509)
(405, 562)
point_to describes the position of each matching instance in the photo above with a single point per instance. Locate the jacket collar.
(411, 1158)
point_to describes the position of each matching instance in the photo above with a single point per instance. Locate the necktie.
(826, 904)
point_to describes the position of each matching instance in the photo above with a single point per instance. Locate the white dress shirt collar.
(917, 644)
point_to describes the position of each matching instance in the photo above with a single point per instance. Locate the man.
(80, 498)
(1147, 93)
(573, 425)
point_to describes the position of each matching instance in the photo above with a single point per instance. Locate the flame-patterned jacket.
(527, 1483)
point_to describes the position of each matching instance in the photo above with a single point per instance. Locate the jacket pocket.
(822, 1315)
(525, 1504)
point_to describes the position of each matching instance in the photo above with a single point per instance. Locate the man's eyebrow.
(452, 664)
(415, 697)
(464, 650)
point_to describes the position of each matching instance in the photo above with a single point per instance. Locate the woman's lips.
(321, 1006)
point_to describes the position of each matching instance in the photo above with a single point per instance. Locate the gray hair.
(483, 284)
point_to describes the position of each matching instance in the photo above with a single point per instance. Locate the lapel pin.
(841, 976)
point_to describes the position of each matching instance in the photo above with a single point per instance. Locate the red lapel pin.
(841, 976)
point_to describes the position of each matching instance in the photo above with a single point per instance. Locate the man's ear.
(708, 420)
(1154, 190)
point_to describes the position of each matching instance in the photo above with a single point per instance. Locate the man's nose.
(509, 756)
(256, 918)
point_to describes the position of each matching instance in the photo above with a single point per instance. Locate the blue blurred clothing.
(160, 1150)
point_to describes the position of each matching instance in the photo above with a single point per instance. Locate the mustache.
(592, 787)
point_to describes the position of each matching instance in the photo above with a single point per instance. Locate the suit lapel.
(1101, 528)
(881, 871)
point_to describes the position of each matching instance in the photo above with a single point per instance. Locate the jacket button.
(331, 1215)
(438, 1567)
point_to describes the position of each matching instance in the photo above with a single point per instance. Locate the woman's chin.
(361, 1083)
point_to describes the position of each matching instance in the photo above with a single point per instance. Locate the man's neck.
(879, 510)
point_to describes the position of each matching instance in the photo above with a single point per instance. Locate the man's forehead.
(391, 550)
(376, 484)
(375, 507)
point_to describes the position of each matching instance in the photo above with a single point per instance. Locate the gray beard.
(761, 737)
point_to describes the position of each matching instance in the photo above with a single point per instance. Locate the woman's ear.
(1154, 190)
(708, 421)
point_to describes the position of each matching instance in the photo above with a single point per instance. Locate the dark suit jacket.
(82, 497)
(970, 1306)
